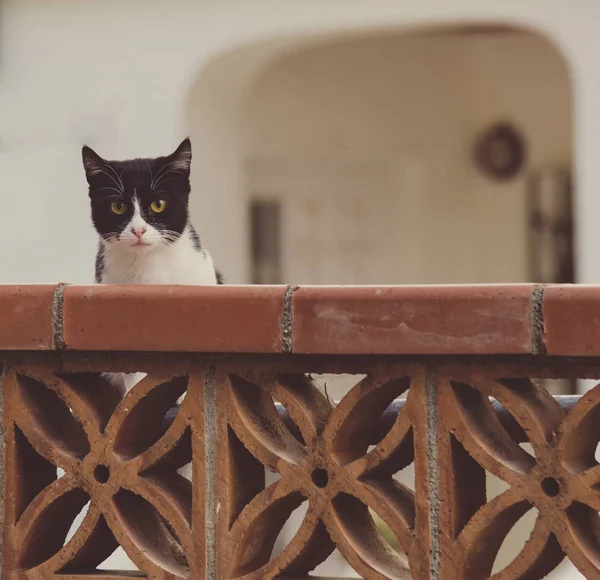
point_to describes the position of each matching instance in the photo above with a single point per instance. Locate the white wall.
(407, 109)
(117, 77)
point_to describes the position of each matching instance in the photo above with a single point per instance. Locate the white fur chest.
(179, 263)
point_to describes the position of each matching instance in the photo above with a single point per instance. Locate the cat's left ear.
(182, 157)
(92, 162)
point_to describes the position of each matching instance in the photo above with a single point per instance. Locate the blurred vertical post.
(265, 218)
(551, 227)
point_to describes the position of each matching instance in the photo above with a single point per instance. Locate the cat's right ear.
(92, 162)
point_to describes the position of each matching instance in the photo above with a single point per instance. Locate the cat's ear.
(182, 157)
(92, 162)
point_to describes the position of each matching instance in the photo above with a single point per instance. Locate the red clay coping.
(444, 320)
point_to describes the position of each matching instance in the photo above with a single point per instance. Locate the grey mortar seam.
(433, 474)
(210, 450)
(58, 302)
(286, 320)
(537, 320)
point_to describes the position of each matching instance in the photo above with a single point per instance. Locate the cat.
(140, 210)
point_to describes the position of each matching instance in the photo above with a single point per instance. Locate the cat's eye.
(158, 205)
(118, 207)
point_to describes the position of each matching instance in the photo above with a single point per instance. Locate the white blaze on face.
(137, 221)
(150, 236)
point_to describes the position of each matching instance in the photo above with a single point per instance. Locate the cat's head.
(140, 204)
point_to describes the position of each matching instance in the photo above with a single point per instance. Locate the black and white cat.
(140, 211)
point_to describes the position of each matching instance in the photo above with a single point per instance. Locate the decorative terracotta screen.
(195, 472)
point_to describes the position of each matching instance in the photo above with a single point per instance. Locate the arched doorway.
(366, 146)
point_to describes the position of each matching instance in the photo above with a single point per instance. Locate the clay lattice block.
(331, 457)
(74, 443)
(559, 479)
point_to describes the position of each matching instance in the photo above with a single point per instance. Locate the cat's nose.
(138, 233)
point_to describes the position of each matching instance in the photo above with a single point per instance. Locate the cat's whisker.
(162, 178)
(110, 240)
(122, 190)
(163, 181)
(118, 177)
(165, 166)
(160, 175)
(112, 189)
(170, 236)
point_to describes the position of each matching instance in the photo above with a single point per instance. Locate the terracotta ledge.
(26, 317)
(174, 318)
(572, 320)
(428, 320)
(414, 320)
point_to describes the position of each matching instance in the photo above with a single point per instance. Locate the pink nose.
(139, 233)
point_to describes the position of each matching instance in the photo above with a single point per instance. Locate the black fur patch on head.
(147, 180)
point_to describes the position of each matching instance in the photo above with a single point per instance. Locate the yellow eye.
(158, 205)
(118, 207)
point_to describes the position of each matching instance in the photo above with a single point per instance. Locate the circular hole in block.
(101, 473)
(320, 478)
(550, 487)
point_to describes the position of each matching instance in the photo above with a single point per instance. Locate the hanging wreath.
(500, 152)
